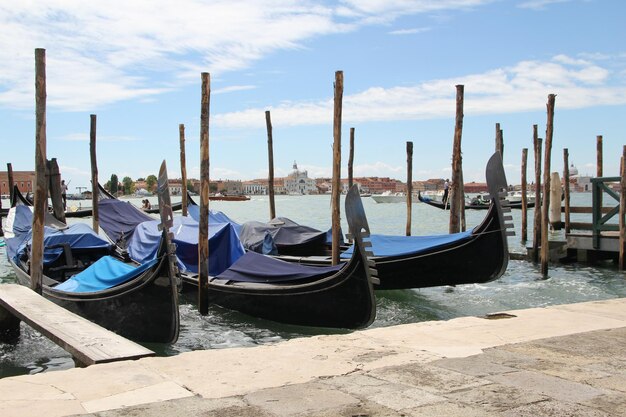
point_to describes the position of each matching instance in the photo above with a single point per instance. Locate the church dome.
(573, 171)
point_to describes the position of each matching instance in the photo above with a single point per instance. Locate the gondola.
(339, 296)
(483, 205)
(81, 274)
(476, 256)
(261, 286)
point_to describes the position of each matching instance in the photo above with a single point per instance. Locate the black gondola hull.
(342, 301)
(480, 259)
(143, 310)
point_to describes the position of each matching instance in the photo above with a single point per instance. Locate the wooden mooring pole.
(409, 186)
(351, 160)
(537, 212)
(457, 201)
(566, 190)
(336, 191)
(622, 213)
(545, 202)
(599, 171)
(41, 189)
(94, 174)
(499, 140)
(203, 233)
(555, 201)
(183, 167)
(524, 196)
(270, 156)
(10, 182)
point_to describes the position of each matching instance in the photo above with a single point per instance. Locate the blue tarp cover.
(384, 245)
(78, 236)
(119, 218)
(254, 267)
(224, 245)
(106, 272)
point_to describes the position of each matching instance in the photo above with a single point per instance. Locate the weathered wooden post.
(545, 202)
(94, 174)
(54, 187)
(10, 181)
(524, 196)
(499, 140)
(203, 233)
(270, 155)
(566, 189)
(457, 200)
(183, 166)
(537, 212)
(555, 201)
(599, 171)
(336, 192)
(409, 186)
(41, 189)
(351, 160)
(622, 213)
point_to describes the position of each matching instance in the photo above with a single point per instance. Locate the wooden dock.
(87, 342)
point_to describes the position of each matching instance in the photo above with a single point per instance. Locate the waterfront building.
(378, 185)
(23, 179)
(299, 183)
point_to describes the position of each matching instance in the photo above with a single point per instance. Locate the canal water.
(521, 286)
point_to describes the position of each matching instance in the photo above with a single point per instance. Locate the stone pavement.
(558, 361)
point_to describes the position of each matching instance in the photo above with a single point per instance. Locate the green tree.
(189, 186)
(129, 185)
(151, 182)
(113, 184)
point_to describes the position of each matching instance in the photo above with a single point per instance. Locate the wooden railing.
(599, 219)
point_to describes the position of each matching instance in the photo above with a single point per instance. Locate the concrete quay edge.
(224, 374)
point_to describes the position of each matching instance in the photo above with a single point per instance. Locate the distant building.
(23, 179)
(298, 182)
(378, 185)
(228, 187)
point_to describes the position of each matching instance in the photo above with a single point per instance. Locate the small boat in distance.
(389, 197)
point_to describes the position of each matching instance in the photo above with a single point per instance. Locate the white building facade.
(299, 183)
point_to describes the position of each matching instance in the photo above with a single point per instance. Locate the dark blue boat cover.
(78, 236)
(119, 219)
(107, 272)
(224, 245)
(254, 267)
(384, 245)
(282, 231)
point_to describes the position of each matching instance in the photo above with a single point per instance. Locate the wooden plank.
(606, 243)
(87, 342)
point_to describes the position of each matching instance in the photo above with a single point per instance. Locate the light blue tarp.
(384, 245)
(78, 236)
(224, 245)
(106, 272)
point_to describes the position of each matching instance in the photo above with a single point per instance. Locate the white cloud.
(539, 4)
(96, 50)
(521, 87)
(409, 31)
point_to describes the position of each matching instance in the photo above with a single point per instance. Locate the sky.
(137, 66)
